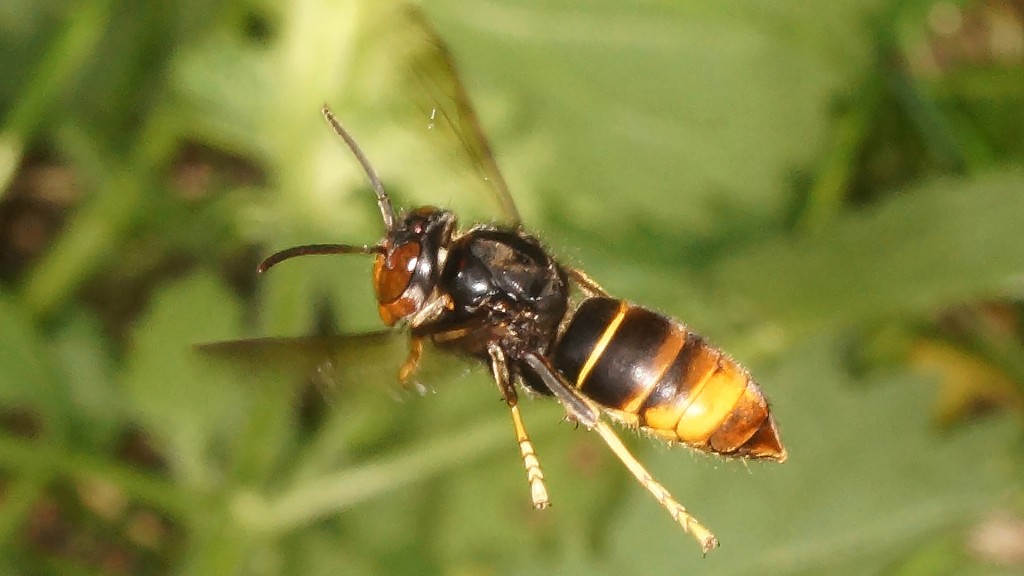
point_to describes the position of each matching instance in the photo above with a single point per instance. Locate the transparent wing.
(422, 89)
(333, 363)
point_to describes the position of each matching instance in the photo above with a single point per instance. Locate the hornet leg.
(499, 367)
(585, 413)
(589, 286)
(412, 362)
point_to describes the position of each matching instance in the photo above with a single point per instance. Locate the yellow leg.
(534, 475)
(587, 413)
(678, 512)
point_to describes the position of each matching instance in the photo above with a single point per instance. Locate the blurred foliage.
(833, 193)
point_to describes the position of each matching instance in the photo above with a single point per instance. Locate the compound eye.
(392, 273)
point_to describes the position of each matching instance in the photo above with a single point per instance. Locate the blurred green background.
(832, 192)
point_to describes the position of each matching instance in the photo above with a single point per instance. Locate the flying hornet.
(493, 293)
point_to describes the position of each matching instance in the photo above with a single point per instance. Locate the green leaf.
(944, 243)
(23, 359)
(27, 378)
(83, 357)
(692, 114)
(190, 408)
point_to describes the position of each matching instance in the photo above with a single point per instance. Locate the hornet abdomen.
(669, 381)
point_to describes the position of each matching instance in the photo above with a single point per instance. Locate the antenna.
(383, 201)
(310, 249)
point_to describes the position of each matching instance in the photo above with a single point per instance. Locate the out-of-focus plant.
(831, 192)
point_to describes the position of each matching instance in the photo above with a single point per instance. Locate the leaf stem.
(315, 499)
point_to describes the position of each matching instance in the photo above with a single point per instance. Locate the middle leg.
(499, 368)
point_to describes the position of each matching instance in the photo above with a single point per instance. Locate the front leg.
(412, 362)
(419, 325)
(430, 312)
